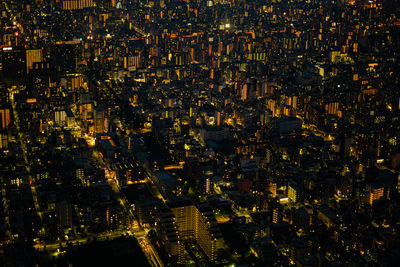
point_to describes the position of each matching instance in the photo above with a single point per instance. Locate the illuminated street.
(199, 133)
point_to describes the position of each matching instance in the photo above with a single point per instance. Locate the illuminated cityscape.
(199, 133)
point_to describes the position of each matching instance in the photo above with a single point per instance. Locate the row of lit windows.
(77, 4)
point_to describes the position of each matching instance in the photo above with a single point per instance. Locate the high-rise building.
(80, 174)
(276, 210)
(376, 191)
(196, 223)
(66, 57)
(76, 4)
(293, 193)
(100, 120)
(5, 118)
(14, 62)
(64, 214)
(208, 185)
(169, 234)
(272, 187)
(32, 56)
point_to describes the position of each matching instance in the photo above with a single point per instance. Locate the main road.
(140, 234)
(53, 247)
(22, 138)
